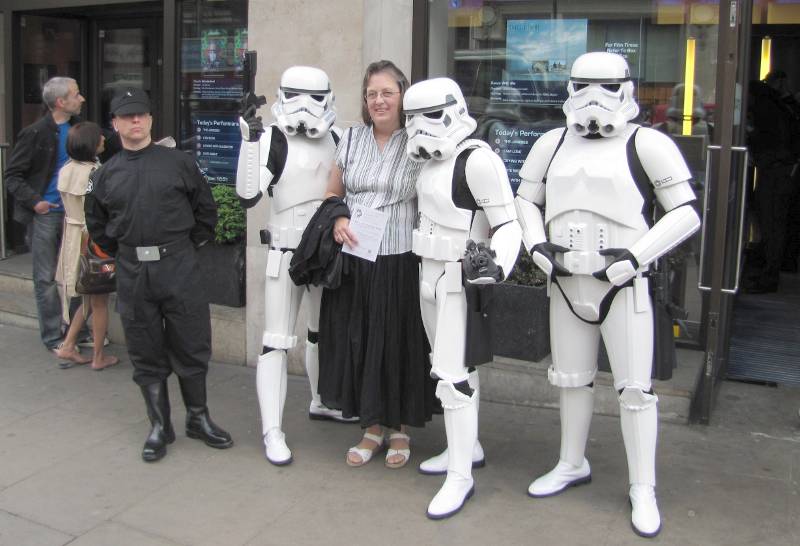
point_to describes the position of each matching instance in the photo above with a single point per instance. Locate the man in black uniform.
(150, 206)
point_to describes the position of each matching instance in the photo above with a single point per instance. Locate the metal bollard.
(3, 253)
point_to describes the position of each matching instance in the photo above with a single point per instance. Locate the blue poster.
(512, 141)
(216, 146)
(540, 53)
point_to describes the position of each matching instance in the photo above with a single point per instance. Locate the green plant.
(231, 221)
(525, 272)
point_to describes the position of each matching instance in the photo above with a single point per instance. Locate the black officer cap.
(130, 101)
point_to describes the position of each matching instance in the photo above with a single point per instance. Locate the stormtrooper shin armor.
(597, 231)
(437, 124)
(295, 148)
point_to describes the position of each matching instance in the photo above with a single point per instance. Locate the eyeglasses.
(385, 95)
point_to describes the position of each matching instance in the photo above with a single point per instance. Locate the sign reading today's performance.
(217, 141)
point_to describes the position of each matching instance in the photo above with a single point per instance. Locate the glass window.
(213, 41)
(512, 60)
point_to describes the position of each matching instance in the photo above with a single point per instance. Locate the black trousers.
(772, 195)
(165, 316)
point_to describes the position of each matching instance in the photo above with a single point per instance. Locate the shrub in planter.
(520, 321)
(223, 261)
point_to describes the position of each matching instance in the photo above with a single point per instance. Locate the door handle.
(742, 208)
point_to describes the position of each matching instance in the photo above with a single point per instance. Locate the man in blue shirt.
(32, 178)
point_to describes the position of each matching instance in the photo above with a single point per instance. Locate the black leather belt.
(153, 253)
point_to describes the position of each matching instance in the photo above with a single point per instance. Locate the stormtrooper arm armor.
(665, 167)
(487, 179)
(529, 203)
(252, 174)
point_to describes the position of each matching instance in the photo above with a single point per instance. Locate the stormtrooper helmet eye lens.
(318, 98)
(289, 95)
(434, 115)
(613, 87)
(579, 86)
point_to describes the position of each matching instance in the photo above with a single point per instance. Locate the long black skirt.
(373, 352)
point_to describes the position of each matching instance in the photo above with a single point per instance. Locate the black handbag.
(97, 271)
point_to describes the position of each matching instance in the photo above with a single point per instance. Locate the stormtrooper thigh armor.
(444, 314)
(282, 301)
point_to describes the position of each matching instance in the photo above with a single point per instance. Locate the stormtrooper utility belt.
(588, 262)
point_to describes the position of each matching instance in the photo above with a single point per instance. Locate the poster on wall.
(216, 139)
(539, 53)
(512, 141)
(212, 64)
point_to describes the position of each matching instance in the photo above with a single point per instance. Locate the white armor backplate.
(443, 228)
(301, 188)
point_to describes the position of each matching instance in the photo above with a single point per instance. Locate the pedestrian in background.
(151, 207)
(85, 142)
(32, 178)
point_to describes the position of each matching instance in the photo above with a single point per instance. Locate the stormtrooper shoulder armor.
(534, 169)
(487, 179)
(661, 159)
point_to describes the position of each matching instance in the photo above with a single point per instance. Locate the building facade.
(692, 61)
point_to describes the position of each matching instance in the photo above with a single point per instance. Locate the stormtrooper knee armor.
(596, 243)
(289, 161)
(480, 215)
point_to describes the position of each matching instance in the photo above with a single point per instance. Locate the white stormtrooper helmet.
(600, 95)
(305, 102)
(436, 119)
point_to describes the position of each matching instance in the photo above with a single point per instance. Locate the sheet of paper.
(368, 226)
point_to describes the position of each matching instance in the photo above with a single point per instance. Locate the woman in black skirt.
(374, 360)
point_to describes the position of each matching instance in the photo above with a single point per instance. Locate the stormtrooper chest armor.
(592, 201)
(300, 189)
(444, 228)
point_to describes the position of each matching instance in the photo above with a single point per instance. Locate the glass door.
(127, 55)
(722, 234)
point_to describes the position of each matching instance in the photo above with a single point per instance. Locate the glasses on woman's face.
(385, 94)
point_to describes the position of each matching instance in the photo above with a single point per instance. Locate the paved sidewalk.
(70, 471)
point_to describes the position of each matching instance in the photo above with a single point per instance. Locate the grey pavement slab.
(70, 471)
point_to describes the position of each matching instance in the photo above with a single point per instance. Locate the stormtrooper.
(289, 161)
(599, 179)
(467, 232)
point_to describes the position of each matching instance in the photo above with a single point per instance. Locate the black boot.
(198, 422)
(156, 398)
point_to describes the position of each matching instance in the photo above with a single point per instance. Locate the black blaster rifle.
(250, 101)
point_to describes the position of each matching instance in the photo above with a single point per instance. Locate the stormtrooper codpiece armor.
(290, 161)
(597, 252)
(465, 205)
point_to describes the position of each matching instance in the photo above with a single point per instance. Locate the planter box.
(223, 268)
(521, 322)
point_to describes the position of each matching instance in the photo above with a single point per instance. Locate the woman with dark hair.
(85, 141)
(373, 350)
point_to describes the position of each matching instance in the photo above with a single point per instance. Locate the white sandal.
(363, 452)
(405, 452)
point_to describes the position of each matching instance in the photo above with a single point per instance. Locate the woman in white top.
(85, 142)
(373, 350)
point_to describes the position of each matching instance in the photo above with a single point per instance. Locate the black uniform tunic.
(156, 197)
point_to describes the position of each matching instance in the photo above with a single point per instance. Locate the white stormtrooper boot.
(639, 421)
(317, 410)
(271, 389)
(437, 465)
(572, 468)
(461, 425)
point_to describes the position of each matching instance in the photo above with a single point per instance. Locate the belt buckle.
(148, 253)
